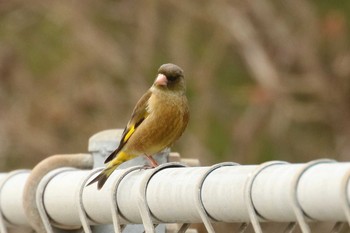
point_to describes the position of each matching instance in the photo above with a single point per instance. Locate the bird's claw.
(146, 166)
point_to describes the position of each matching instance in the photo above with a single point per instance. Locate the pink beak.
(161, 80)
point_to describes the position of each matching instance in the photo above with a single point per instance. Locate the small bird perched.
(159, 119)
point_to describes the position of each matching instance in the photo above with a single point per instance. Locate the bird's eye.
(172, 78)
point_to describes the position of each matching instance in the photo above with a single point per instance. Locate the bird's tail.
(103, 176)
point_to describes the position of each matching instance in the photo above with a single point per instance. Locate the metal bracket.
(142, 202)
(298, 211)
(81, 209)
(114, 207)
(39, 196)
(253, 215)
(199, 203)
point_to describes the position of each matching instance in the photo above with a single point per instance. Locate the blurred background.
(266, 80)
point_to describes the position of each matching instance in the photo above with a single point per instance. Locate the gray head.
(170, 77)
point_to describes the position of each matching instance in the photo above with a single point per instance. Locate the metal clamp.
(39, 196)
(253, 215)
(114, 203)
(298, 211)
(81, 209)
(142, 202)
(3, 221)
(199, 203)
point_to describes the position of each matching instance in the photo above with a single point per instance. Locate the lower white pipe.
(171, 194)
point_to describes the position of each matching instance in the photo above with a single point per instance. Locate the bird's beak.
(161, 80)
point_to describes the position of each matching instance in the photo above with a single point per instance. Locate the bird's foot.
(146, 166)
(153, 162)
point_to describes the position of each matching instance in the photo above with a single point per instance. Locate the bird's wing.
(138, 116)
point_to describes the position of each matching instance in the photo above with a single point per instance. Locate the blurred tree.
(266, 79)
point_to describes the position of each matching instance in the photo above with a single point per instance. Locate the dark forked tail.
(103, 176)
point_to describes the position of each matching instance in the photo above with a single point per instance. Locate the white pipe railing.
(176, 194)
(172, 193)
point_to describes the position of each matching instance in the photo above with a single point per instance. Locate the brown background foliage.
(266, 79)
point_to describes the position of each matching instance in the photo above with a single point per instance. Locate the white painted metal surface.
(171, 191)
(12, 186)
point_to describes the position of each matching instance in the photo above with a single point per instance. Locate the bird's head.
(170, 77)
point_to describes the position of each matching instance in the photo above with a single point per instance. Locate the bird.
(159, 118)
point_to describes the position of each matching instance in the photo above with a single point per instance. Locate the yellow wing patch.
(129, 133)
(138, 116)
